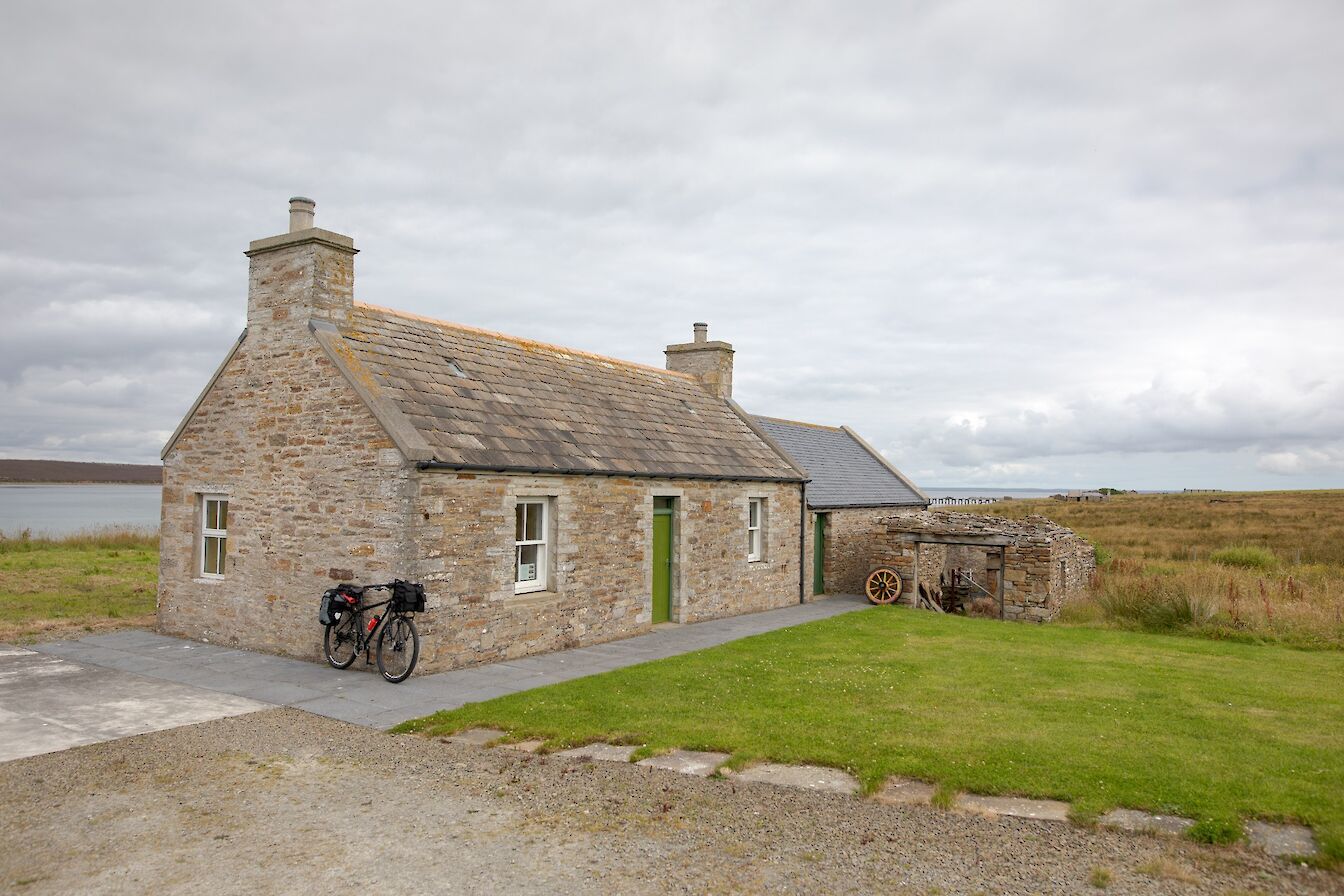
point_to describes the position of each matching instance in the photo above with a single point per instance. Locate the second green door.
(662, 562)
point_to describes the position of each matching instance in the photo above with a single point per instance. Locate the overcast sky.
(1014, 244)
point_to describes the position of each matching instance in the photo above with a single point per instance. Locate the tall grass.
(1247, 567)
(110, 538)
(1246, 556)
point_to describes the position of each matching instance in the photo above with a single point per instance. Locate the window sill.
(209, 580)
(527, 598)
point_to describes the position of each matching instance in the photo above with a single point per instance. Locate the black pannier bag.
(329, 610)
(408, 597)
(334, 603)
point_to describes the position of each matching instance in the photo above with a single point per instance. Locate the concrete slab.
(905, 792)
(1281, 839)
(800, 777)
(687, 762)
(356, 696)
(523, 746)
(600, 752)
(50, 703)
(475, 737)
(1041, 810)
(1145, 823)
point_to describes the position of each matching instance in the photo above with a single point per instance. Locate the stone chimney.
(711, 362)
(297, 276)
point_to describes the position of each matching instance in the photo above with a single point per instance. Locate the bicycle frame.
(364, 636)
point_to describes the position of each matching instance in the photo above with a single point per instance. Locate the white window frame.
(219, 534)
(756, 533)
(543, 547)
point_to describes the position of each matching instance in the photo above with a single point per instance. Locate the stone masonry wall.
(600, 571)
(317, 494)
(853, 537)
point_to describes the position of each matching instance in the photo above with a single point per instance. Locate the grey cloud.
(1110, 237)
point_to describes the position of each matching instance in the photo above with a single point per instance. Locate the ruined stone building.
(547, 497)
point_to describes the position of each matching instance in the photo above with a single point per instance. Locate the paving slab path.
(48, 704)
(365, 699)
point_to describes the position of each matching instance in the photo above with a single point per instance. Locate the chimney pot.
(701, 331)
(301, 213)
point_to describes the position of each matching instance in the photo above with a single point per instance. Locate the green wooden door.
(819, 554)
(662, 565)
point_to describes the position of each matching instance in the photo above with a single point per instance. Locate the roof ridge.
(800, 423)
(522, 341)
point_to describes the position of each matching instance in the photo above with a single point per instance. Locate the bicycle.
(392, 635)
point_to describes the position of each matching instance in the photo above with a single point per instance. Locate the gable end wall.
(317, 494)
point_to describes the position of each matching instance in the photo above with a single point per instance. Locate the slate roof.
(844, 471)
(489, 401)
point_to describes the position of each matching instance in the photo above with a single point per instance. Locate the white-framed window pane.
(214, 555)
(755, 519)
(214, 535)
(530, 558)
(531, 543)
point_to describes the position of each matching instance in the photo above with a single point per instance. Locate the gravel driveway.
(282, 801)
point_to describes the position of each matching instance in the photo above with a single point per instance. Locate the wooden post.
(914, 598)
(1003, 577)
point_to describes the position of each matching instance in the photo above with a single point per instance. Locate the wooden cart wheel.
(883, 585)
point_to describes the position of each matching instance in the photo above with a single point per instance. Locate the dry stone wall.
(1045, 564)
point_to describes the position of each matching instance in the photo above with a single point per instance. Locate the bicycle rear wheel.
(340, 644)
(398, 648)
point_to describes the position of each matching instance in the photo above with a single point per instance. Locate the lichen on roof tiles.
(522, 404)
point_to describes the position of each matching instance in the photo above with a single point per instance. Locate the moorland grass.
(1258, 566)
(93, 579)
(1214, 730)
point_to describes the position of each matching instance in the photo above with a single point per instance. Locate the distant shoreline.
(18, 471)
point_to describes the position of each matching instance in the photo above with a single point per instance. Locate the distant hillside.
(75, 471)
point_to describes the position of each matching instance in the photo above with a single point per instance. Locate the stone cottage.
(547, 497)
(851, 490)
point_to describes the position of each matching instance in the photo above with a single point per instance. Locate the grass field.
(59, 587)
(1213, 730)
(1256, 566)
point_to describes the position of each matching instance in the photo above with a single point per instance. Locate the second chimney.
(710, 362)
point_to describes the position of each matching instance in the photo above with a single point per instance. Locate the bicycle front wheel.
(340, 645)
(398, 648)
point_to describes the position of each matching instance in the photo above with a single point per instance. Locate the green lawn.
(65, 586)
(1212, 730)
